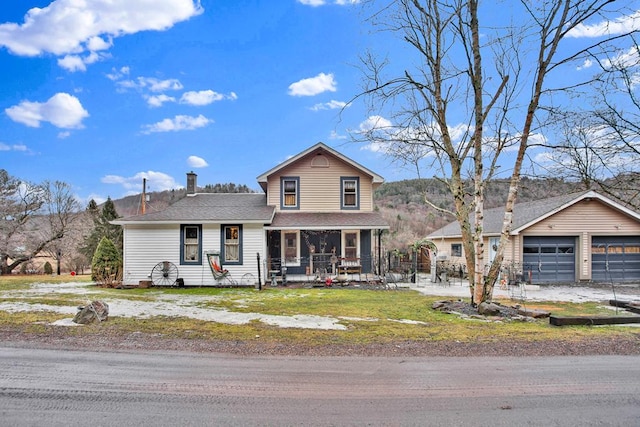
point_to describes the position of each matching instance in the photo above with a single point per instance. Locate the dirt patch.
(64, 338)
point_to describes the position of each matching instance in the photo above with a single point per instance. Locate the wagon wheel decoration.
(165, 273)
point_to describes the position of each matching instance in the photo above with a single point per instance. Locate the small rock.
(536, 314)
(439, 304)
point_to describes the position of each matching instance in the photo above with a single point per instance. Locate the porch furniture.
(350, 266)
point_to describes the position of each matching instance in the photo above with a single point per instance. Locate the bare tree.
(468, 95)
(600, 143)
(33, 218)
(589, 150)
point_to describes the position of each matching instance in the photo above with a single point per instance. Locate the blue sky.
(101, 94)
(227, 89)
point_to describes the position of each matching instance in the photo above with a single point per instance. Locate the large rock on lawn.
(488, 309)
(97, 311)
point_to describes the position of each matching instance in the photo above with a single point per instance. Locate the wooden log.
(618, 303)
(592, 320)
(627, 305)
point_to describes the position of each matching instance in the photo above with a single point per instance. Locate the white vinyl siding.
(146, 245)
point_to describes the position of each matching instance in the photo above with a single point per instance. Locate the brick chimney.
(192, 183)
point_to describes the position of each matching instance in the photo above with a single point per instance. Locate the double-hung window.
(350, 188)
(291, 247)
(351, 244)
(190, 244)
(232, 244)
(290, 187)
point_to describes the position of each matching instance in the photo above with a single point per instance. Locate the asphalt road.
(73, 388)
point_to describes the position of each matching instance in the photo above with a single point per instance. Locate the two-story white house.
(316, 217)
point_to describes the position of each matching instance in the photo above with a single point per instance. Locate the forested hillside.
(404, 204)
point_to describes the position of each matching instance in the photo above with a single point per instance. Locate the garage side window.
(456, 249)
(190, 244)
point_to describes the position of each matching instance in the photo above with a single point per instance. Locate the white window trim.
(282, 248)
(343, 242)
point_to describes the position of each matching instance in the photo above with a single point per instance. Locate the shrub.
(48, 269)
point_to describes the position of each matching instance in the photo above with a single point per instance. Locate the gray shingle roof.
(523, 214)
(328, 220)
(210, 207)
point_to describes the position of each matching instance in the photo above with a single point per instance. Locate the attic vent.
(319, 161)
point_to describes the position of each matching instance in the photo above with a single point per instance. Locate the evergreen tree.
(113, 232)
(102, 227)
(106, 261)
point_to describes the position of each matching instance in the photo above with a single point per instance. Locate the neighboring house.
(316, 217)
(575, 237)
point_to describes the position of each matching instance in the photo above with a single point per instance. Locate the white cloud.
(76, 63)
(14, 147)
(156, 85)
(313, 85)
(95, 44)
(61, 110)
(313, 3)
(197, 162)
(618, 26)
(335, 135)
(373, 123)
(156, 181)
(331, 105)
(627, 59)
(74, 27)
(63, 135)
(316, 3)
(116, 75)
(178, 123)
(72, 63)
(205, 97)
(158, 100)
(150, 84)
(586, 64)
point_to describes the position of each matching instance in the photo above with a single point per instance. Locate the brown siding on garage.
(591, 216)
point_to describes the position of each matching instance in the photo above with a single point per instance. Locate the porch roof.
(327, 221)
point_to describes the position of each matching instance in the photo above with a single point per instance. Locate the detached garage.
(577, 237)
